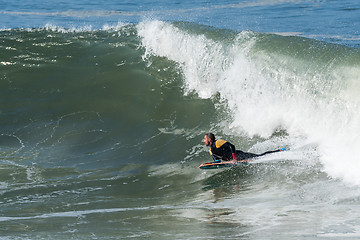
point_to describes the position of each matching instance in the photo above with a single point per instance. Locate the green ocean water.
(101, 134)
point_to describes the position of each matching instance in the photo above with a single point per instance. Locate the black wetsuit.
(223, 150)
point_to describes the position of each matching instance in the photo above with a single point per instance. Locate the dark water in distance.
(104, 107)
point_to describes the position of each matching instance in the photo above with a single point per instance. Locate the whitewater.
(104, 108)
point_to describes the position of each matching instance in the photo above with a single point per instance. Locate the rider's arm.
(231, 148)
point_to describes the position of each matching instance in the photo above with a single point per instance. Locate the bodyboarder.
(224, 150)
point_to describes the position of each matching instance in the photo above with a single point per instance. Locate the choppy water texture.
(104, 107)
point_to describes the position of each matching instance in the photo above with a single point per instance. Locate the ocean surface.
(104, 105)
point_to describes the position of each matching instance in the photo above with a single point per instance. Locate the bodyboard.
(215, 165)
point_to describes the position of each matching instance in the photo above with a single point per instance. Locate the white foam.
(72, 213)
(201, 67)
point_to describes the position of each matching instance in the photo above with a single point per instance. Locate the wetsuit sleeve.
(215, 158)
(231, 148)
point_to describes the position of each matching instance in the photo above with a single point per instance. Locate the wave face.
(272, 83)
(102, 130)
(78, 98)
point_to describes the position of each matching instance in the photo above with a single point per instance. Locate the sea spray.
(202, 60)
